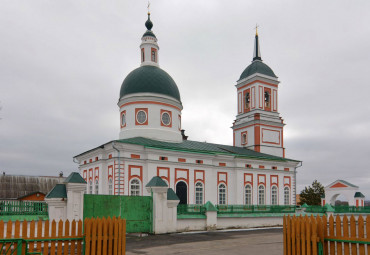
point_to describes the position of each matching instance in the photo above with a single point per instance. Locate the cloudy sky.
(62, 64)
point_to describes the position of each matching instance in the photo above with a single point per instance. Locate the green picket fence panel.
(9, 208)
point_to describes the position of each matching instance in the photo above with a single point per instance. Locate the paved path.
(267, 241)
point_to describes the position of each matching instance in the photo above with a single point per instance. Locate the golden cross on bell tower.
(257, 26)
(148, 7)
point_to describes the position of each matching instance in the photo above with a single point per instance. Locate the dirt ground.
(263, 241)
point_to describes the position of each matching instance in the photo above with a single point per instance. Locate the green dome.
(257, 67)
(150, 79)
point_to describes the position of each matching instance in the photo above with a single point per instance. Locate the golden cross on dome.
(257, 26)
(148, 7)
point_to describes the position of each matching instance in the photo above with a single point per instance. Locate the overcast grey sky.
(62, 64)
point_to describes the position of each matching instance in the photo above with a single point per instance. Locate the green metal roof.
(150, 79)
(171, 195)
(203, 148)
(59, 191)
(74, 178)
(359, 194)
(257, 66)
(156, 181)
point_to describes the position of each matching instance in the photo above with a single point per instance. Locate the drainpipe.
(295, 183)
(119, 168)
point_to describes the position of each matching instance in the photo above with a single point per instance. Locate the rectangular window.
(199, 193)
(222, 194)
(142, 55)
(154, 55)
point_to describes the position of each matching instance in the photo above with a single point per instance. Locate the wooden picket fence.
(98, 236)
(317, 235)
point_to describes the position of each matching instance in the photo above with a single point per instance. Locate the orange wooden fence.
(105, 236)
(100, 236)
(318, 235)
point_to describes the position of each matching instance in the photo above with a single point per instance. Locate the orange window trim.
(169, 113)
(135, 156)
(147, 116)
(197, 179)
(123, 113)
(131, 176)
(167, 177)
(218, 178)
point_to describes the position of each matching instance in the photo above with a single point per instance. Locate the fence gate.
(137, 210)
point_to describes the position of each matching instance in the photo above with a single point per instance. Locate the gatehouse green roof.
(150, 79)
(156, 181)
(171, 195)
(203, 148)
(359, 194)
(257, 66)
(74, 177)
(59, 191)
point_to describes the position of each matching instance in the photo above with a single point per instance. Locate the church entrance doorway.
(182, 192)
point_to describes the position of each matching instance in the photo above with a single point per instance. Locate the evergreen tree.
(311, 195)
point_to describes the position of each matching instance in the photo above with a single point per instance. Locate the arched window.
(154, 57)
(222, 194)
(286, 196)
(142, 55)
(274, 195)
(267, 99)
(90, 187)
(244, 138)
(96, 186)
(248, 194)
(135, 187)
(110, 186)
(199, 193)
(261, 195)
(247, 100)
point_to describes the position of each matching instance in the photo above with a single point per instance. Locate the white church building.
(254, 171)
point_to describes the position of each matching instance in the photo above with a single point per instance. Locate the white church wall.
(213, 170)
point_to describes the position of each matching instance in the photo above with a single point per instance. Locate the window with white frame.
(96, 186)
(274, 195)
(135, 187)
(286, 196)
(90, 187)
(222, 194)
(199, 193)
(261, 195)
(248, 194)
(110, 186)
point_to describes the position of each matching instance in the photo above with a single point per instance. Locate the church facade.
(254, 171)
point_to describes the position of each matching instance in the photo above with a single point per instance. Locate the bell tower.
(258, 125)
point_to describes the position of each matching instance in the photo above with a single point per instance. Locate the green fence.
(137, 210)
(10, 208)
(242, 209)
(191, 209)
(315, 209)
(351, 209)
